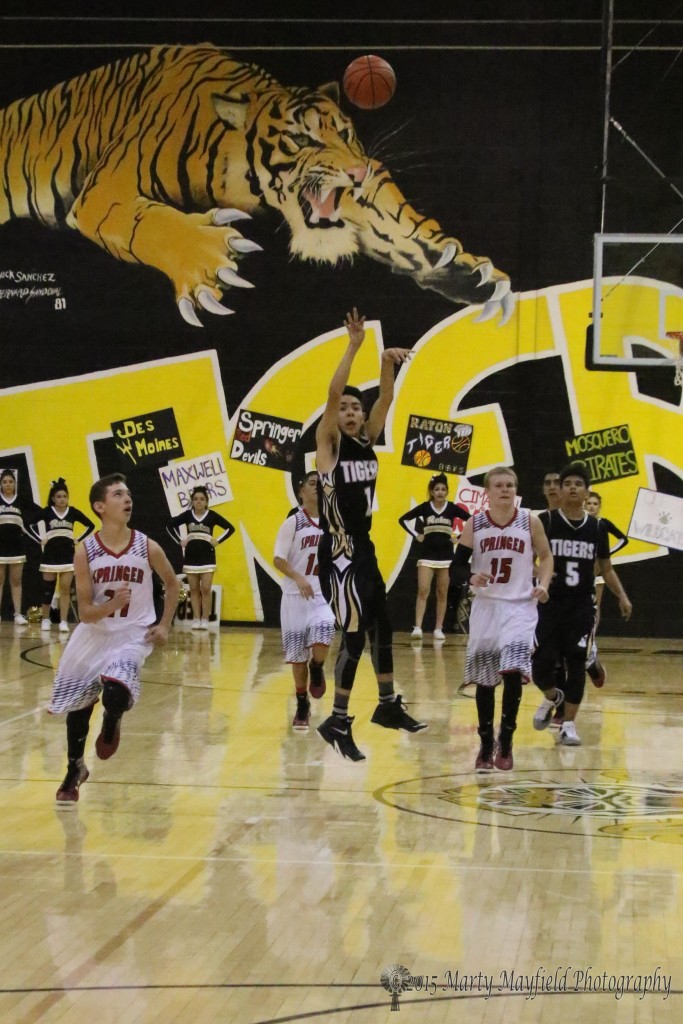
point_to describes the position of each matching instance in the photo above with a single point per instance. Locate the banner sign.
(657, 518)
(608, 454)
(178, 479)
(475, 499)
(440, 446)
(265, 440)
(148, 440)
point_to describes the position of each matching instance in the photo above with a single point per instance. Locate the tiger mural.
(157, 158)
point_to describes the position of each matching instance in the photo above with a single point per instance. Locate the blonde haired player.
(502, 543)
(113, 569)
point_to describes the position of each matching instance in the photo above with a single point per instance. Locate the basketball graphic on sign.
(422, 458)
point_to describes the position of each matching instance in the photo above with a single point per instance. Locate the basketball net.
(678, 336)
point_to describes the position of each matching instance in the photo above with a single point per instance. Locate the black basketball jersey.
(575, 545)
(346, 493)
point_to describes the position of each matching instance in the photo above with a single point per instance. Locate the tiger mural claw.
(161, 157)
(470, 279)
(205, 289)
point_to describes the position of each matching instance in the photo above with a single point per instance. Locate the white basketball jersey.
(297, 543)
(130, 568)
(506, 553)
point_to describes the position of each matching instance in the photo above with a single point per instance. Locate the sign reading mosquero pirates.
(265, 440)
(440, 446)
(607, 454)
(151, 439)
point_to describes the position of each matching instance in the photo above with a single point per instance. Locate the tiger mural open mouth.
(321, 209)
(163, 157)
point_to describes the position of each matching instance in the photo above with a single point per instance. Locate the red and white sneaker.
(107, 743)
(68, 793)
(316, 680)
(503, 762)
(484, 762)
(303, 713)
(597, 673)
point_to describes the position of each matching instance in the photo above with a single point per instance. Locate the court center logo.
(396, 979)
(637, 807)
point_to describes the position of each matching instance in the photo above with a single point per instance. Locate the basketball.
(369, 82)
(422, 458)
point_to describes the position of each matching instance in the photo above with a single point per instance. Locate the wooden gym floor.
(222, 868)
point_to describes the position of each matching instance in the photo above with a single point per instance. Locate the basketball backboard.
(637, 298)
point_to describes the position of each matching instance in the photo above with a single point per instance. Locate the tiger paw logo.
(396, 979)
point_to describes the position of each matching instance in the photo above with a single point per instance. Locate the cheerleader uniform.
(199, 554)
(57, 537)
(12, 531)
(436, 551)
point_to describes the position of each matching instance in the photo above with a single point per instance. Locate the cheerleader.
(432, 525)
(193, 530)
(12, 554)
(58, 542)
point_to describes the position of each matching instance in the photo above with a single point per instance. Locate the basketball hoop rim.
(678, 336)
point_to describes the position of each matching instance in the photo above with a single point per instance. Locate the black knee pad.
(544, 668)
(575, 682)
(115, 697)
(381, 639)
(346, 664)
(48, 591)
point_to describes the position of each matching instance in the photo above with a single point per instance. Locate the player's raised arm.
(327, 433)
(391, 357)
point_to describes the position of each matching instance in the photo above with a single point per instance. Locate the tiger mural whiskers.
(161, 158)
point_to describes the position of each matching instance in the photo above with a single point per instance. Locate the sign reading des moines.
(441, 446)
(148, 440)
(608, 454)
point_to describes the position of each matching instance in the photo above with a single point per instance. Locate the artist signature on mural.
(27, 285)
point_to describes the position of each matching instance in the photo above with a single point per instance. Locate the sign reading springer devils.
(148, 440)
(441, 446)
(265, 440)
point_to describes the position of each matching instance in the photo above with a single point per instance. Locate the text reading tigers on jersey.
(572, 548)
(358, 470)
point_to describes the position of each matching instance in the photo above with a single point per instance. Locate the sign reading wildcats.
(265, 440)
(151, 439)
(440, 446)
(608, 454)
(658, 519)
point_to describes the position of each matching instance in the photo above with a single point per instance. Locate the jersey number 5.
(572, 574)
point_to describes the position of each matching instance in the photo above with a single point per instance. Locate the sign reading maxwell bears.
(440, 446)
(148, 440)
(608, 454)
(265, 440)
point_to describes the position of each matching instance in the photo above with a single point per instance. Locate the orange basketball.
(422, 458)
(369, 82)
